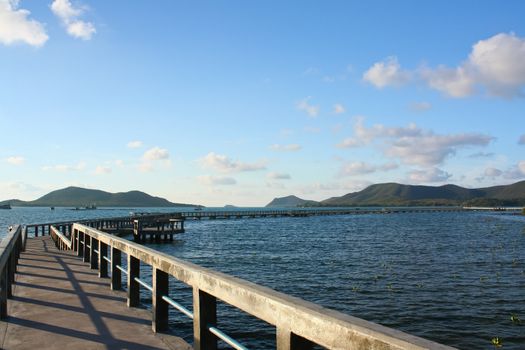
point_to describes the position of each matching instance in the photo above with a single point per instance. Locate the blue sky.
(236, 102)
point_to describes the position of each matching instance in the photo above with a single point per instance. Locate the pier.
(124, 225)
(70, 286)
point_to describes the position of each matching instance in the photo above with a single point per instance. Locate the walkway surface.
(60, 303)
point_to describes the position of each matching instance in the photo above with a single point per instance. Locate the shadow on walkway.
(59, 303)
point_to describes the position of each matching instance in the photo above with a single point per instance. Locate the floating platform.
(157, 229)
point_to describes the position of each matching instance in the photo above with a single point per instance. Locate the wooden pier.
(63, 291)
(124, 225)
(157, 229)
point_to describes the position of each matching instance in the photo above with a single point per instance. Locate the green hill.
(81, 197)
(290, 201)
(393, 194)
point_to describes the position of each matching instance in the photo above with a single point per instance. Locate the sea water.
(455, 278)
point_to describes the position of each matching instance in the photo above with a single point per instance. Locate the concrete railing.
(62, 242)
(299, 324)
(10, 248)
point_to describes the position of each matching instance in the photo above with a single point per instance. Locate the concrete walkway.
(60, 303)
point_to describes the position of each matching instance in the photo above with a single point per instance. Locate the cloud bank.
(17, 27)
(69, 15)
(495, 65)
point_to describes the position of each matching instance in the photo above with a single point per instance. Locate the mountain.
(290, 201)
(394, 194)
(81, 197)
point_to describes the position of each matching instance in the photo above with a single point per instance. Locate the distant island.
(83, 197)
(291, 201)
(394, 194)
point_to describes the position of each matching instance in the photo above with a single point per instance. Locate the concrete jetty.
(64, 290)
(58, 302)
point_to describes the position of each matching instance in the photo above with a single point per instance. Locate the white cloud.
(420, 106)
(286, 148)
(361, 168)
(101, 170)
(413, 145)
(521, 140)
(339, 108)
(69, 14)
(15, 26)
(455, 82)
(515, 172)
(81, 29)
(224, 164)
(495, 65)
(16, 160)
(210, 180)
(65, 167)
(521, 166)
(119, 162)
(134, 144)
(492, 172)
(349, 142)
(429, 175)
(306, 107)
(387, 73)
(278, 176)
(156, 153)
(431, 149)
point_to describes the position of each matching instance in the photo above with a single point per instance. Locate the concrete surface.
(59, 303)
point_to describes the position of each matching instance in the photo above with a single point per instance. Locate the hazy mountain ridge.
(394, 194)
(80, 197)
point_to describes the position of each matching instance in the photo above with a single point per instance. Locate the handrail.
(60, 240)
(298, 322)
(10, 248)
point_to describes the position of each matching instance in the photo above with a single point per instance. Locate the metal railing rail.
(10, 248)
(299, 324)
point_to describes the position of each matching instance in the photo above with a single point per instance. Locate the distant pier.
(153, 224)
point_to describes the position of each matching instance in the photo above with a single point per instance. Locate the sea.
(452, 277)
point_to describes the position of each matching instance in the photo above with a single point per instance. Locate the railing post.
(80, 251)
(286, 340)
(36, 231)
(93, 259)
(160, 307)
(74, 243)
(102, 263)
(116, 275)
(11, 269)
(204, 315)
(87, 239)
(24, 239)
(3, 293)
(133, 286)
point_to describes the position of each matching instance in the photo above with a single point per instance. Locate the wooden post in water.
(133, 286)
(204, 315)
